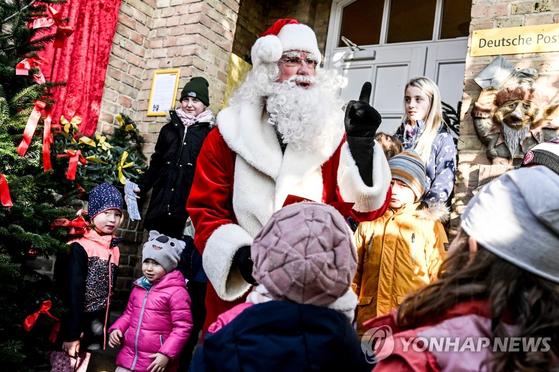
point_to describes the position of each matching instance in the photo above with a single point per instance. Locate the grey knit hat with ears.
(516, 216)
(305, 254)
(163, 249)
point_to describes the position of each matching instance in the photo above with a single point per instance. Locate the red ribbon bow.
(30, 321)
(47, 141)
(30, 127)
(23, 67)
(77, 225)
(75, 157)
(62, 32)
(48, 21)
(5, 197)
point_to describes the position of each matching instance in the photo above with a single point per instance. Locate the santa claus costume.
(250, 164)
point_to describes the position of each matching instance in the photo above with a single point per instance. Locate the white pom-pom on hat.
(266, 49)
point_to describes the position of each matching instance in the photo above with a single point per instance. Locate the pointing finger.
(365, 95)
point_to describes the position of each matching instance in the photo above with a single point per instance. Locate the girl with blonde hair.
(423, 130)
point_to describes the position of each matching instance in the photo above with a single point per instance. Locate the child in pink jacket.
(157, 321)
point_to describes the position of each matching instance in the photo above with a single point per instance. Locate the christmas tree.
(40, 184)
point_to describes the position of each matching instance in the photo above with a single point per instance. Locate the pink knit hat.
(305, 254)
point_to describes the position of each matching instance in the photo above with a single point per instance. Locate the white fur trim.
(299, 37)
(247, 133)
(346, 304)
(253, 196)
(266, 49)
(263, 176)
(218, 259)
(352, 187)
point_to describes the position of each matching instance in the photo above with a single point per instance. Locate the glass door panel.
(411, 20)
(456, 18)
(361, 22)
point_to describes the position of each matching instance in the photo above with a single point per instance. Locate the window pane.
(411, 20)
(456, 18)
(361, 22)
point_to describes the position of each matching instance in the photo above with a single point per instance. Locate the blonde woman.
(424, 131)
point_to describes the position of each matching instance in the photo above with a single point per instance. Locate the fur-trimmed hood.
(437, 211)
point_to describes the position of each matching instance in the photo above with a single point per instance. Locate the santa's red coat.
(235, 192)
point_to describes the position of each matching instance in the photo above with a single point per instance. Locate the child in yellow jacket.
(402, 250)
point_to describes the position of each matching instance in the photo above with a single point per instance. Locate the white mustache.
(301, 79)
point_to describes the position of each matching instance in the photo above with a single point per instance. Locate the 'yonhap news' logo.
(378, 343)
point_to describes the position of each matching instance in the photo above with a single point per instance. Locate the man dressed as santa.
(282, 135)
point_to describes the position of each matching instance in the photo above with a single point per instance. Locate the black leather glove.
(243, 261)
(361, 124)
(361, 119)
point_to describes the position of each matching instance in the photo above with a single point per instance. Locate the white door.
(389, 66)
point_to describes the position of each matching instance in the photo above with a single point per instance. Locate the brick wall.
(487, 14)
(191, 35)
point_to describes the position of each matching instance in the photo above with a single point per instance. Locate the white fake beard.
(306, 118)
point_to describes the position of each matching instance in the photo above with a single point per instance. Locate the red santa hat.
(284, 35)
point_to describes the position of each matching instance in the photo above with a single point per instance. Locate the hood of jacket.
(437, 211)
(425, 211)
(94, 236)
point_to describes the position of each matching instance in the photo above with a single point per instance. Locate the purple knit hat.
(103, 197)
(305, 254)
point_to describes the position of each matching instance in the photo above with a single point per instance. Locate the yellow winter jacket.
(397, 254)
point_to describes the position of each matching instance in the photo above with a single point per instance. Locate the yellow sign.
(163, 92)
(515, 40)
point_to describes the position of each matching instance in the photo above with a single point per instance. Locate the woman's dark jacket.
(283, 336)
(171, 172)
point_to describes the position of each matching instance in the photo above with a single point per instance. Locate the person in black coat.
(169, 176)
(173, 163)
(283, 336)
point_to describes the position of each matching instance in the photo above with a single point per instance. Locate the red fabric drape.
(82, 61)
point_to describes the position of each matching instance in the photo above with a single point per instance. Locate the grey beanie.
(408, 167)
(305, 254)
(163, 249)
(516, 217)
